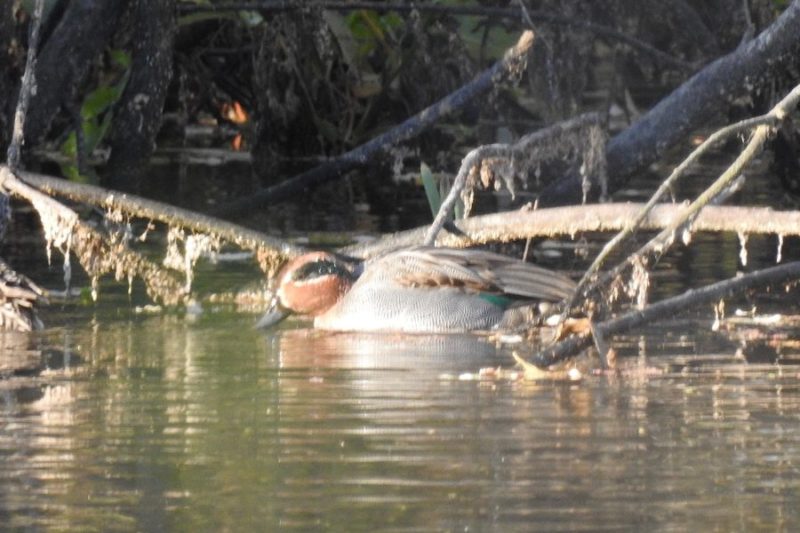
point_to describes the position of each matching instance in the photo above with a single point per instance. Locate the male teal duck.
(416, 290)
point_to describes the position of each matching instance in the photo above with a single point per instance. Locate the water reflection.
(308, 348)
(160, 423)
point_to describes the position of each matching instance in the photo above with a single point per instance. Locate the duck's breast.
(389, 307)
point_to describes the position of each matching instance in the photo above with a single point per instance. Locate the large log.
(696, 103)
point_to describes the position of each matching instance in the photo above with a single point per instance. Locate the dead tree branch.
(669, 307)
(652, 250)
(64, 229)
(505, 162)
(513, 63)
(572, 220)
(166, 213)
(762, 123)
(694, 104)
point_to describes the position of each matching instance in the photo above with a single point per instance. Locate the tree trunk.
(81, 34)
(137, 117)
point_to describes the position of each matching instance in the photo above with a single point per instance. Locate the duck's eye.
(323, 267)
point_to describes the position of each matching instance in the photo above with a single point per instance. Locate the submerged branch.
(669, 307)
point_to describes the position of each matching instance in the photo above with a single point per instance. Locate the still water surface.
(111, 421)
(161, 422)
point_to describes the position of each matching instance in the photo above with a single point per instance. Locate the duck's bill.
(274, 314)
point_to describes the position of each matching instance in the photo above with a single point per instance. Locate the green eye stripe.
(323, 267)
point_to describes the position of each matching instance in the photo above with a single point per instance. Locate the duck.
(421, 289)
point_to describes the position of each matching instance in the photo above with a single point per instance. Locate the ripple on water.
(159, 423)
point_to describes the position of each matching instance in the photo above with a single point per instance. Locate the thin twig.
(471, 160)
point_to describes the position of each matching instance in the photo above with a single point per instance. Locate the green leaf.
(70, 171)
(70, 146)
(431, 188)
(120, 57)
(98, 101)
(94, 132)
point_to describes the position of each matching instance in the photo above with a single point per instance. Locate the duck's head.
(309, 284)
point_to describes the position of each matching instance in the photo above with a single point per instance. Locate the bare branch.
(572, 220)
(697, 102)
(513, 62)
(763, 123)
(96, 254)
(554, 141)
(166, 213)
(669, 307)
(26, 89)
(661, 242)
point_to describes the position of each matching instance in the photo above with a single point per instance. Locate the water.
(113, 421)
(163, 422)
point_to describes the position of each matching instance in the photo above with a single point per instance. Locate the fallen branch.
(763, 123)
(693, 105)
(513, 63)
(669, 307)
(653, 249)
(64, 229)
(150, 209)
(571, 220)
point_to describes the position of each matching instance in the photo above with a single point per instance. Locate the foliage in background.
(96, 114)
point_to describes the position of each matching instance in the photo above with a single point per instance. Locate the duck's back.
(429, 290)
